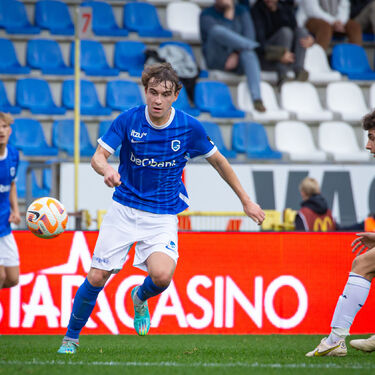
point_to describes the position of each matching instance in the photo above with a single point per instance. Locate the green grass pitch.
(176, 354)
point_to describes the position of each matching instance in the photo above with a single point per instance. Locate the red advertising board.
(234, 283)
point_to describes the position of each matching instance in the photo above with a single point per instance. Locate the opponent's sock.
(349, 303)
(148, 289)
(84, 303)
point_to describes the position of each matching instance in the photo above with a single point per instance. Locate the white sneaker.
(366, 345)
(323, 349)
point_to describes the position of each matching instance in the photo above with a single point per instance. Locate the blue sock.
(149, 289)
(84, 303)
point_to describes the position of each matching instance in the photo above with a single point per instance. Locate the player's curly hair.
(161, 73)
(6, 117)
(368, 121)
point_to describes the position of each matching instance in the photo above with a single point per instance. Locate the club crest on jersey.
(176, 144)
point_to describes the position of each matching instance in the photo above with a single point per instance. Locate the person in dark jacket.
(314, 214)
(282, 43)
(229, 42)
(363, 11)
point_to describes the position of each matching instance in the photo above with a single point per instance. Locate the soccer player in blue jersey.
(9, 211)
(156, 142)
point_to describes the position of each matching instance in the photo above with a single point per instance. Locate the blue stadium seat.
(183, 104)
(351, 59)
(28, 136)
(251, 138)
(143, 18)
(187, 47)
(93, 59)
(123, 95)
(130, 57)
(214, 132)
(46, 55)
(36, 190)
(54, 16)
(90, 104)
(214, 97)
(9, 63)
(103, 22)
(103, 127)
(13, 18)
(63, 138)
(35, 94)
(5, 106)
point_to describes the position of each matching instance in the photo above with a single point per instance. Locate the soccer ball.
(46, 217)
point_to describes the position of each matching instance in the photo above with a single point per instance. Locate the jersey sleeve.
(201, 145)
(115, 134)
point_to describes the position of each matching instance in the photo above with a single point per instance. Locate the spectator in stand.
(229, 42)
(363, 12)
(323, 18)
(314, 215)
(282, 43)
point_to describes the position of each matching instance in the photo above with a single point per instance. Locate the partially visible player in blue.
(156, 142)
(9, 211)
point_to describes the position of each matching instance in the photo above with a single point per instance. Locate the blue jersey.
(8, 172)
(152, 158)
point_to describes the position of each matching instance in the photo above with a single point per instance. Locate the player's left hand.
(254, 211)
(365, 241)
(14, 218)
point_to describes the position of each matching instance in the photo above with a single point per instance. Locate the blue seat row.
(28, 136)
(35, 95)
(53, 15)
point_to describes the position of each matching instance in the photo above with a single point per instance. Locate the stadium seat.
(143, 18)
(90, 104)
(103, 20)
(215, 98)
(13, 18)
(36, 190)
(251, 138)
(28, 136)
(63, 138)
(351, 60)
(102, 129)
(302, 99)
(187, 47)
(123, 95)
(372, 96)
(214, 132)
(93, 59)
(5, 105)
(130, 57)
(300, 146)
(183, 104)
(346, 98)
(9, 63)
(54, 16)
(338, 139)
(45, 54)
(316, 63)
(182, 18)
(35, 94)
(273, 111)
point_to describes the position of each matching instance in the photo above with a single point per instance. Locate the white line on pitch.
(199, 364)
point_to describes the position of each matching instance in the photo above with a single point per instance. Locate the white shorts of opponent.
(9, 251)
(122, 226)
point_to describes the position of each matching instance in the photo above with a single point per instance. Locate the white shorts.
(9, 251)
(122, 226)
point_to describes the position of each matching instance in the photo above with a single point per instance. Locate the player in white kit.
(156, 142)
(9, 211)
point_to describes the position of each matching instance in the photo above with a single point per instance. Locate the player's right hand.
(365, 241)
(112, 178)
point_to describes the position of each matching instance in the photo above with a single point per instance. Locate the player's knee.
(162, 278)
(9, 283)
(98, 278)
